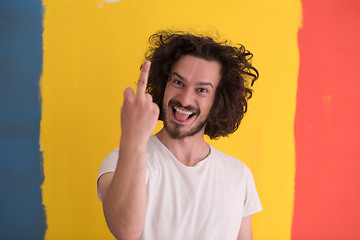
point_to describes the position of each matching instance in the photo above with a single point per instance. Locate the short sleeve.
(252, 202)
(108, 165)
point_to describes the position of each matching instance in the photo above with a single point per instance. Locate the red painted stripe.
(327, 132)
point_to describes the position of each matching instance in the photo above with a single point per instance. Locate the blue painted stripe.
(22, 214)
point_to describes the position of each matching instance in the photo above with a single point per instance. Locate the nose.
(186, 97)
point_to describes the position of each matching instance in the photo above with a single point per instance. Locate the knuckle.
(128, 95)
(155, 108)
(141, 82)
(139, 102)
(149, 97)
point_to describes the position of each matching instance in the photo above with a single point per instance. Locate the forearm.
(245, 232)
(125, 202)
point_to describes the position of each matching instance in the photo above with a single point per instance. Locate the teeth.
(182, 111)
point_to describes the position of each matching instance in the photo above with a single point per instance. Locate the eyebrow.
(178, 75)
(183, 79)
(205, 84)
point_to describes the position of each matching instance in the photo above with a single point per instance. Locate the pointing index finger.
(143, 79)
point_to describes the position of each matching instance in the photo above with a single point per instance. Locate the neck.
(189, 150)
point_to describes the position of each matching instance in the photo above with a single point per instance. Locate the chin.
(176, 131)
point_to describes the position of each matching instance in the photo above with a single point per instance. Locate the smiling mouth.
(182, 115)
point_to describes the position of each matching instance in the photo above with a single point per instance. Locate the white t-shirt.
(205, 201)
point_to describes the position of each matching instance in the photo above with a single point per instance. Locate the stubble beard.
(175, 130)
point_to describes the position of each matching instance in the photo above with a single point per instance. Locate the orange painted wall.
(327, 121)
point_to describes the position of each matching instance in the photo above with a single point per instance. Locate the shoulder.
(231, 163)
(220, 156)
(110, 161)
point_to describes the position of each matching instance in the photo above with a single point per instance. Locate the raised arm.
(124, 191)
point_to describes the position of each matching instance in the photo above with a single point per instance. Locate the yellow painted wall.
(92, 52)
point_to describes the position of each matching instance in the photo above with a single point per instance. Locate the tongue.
(181, 117)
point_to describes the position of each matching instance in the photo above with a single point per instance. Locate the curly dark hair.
(237, 75)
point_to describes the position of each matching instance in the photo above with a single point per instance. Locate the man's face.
(189, 95)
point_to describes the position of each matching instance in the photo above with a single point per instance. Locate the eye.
(203, 90)
(178, 82)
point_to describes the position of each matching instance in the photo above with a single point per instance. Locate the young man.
(173, 185)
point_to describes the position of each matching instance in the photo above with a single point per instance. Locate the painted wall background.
(22, 214)
(327, 122)
(304, 106)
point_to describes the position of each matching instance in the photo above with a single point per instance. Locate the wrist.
(133, 144)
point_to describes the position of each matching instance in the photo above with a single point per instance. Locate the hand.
(139, 114)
